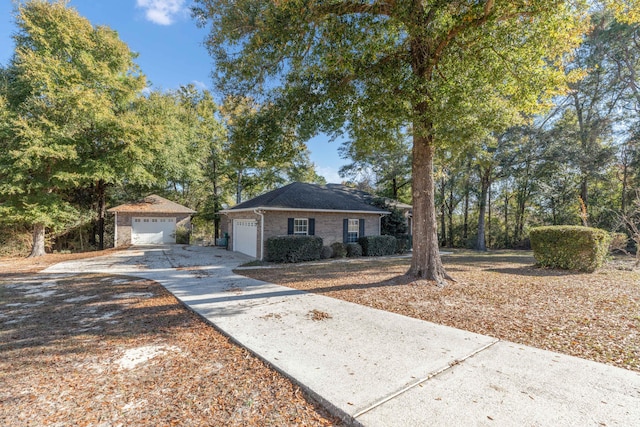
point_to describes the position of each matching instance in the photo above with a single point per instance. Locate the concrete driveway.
(376, 368)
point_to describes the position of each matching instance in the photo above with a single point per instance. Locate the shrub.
(354, 250)
(293, 248)
(326, 253)
(570, 247)
(183, 235)
(339, 250)
(403, 243)
(378, 245)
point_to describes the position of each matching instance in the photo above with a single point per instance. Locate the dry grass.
(106, 350)
(501, 294)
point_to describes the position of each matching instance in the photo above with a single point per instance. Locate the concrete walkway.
(376, 368)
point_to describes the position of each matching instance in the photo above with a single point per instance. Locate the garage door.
(153, 231)
(245, 236)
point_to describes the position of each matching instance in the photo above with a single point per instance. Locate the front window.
(301, 226)
(353, 230)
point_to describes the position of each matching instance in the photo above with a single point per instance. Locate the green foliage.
(452, 73)
(183, 235)
(354, 250)
(390, 162)
(69, 90)
(339, 250)
(378, 245)
(394, 224)
(570, 247)
(326, 253)
(403, 243)
(294, 248)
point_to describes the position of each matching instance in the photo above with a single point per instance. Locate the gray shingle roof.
(299, 195)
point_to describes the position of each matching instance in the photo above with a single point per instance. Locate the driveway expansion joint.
(421, 381)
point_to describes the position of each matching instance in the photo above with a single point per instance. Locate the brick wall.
(328, 225)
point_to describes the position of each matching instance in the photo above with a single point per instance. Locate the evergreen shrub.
(403, 243)
(339, 250)
(292, 248)
(570, 247)
(354, 250)
(378, 245)
(326, 253)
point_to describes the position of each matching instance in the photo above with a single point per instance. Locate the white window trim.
(302, 223)
(353, 222)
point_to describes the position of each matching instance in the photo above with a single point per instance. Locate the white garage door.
(245, 236)
(152, 231)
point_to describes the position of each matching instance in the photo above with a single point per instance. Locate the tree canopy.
(449, 72)
(68, 88)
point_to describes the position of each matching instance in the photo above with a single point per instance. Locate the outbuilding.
(151, 221)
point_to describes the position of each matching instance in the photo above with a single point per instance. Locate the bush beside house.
(339, 250)
(378, 245)
(293, 248)
(354, 250)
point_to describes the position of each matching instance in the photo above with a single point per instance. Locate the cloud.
(161, 12)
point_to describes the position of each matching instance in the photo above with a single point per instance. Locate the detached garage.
(151, 221)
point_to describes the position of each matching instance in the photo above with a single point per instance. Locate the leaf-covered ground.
(501, 294)
(111, 350)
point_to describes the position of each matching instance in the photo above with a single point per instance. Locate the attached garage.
(151, 221)
(245, 236)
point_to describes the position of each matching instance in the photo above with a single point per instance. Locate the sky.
(170, 48)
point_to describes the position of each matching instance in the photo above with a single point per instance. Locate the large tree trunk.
(425, 261)
(38, 241)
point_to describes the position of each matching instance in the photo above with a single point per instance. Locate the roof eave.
(263, 208)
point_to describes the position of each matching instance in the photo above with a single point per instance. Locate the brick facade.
(328, 225)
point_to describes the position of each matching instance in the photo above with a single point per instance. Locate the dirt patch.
(104, 350)
(318, 315)
(500, 294)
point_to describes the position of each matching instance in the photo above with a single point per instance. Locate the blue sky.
(170, 48)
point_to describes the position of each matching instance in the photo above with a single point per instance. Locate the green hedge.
(294, 248)
(570, 247)
(339, 250)
(354, 250)
(378, 245)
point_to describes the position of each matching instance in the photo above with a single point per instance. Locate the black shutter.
(345, 230)
(361, 224)
(290, 226)
(312, 226)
